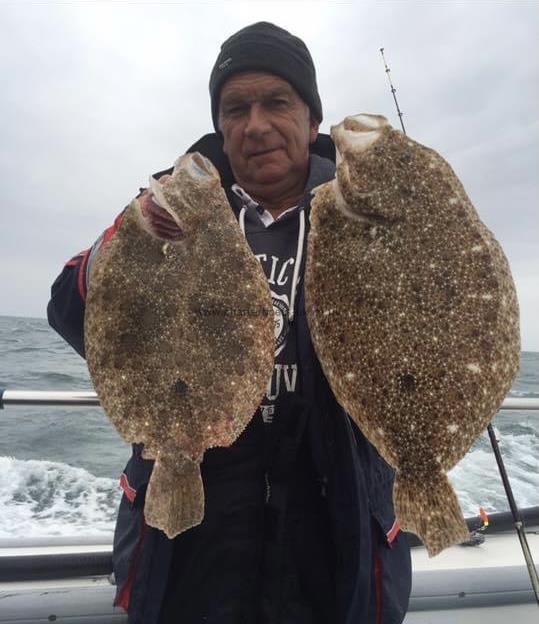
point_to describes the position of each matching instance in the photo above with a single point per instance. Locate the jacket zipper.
(268, 487)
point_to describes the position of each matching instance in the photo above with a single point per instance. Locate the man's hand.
(158, 219)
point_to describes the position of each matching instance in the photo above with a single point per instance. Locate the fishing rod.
(517, 518)
(393, 90)
(515, 512)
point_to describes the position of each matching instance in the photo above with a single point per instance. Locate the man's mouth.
(262, 152)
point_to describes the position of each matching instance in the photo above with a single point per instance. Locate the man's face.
(267, 129)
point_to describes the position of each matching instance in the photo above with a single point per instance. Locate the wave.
(523, 394)
(521, 458)
(38, 349)
(53, 378)
(43, 498)
(47, 498)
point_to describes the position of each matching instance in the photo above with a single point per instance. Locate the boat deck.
(462, 585)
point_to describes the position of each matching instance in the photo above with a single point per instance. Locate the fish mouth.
(357, 133)
(199, 166)
(196, 165)
(158, 198)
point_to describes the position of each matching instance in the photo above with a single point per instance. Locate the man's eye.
(279, 103)
(236, 109)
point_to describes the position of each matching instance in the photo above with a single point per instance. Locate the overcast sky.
(97, 95)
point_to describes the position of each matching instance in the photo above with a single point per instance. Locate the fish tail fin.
(175, 495)
(430, 509)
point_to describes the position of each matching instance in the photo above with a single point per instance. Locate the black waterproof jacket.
(372, 569)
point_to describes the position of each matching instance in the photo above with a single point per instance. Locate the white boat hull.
(462, 585)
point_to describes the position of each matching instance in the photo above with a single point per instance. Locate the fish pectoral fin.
(341, 204)
(362, 209)
(175, 495)
(429, 508)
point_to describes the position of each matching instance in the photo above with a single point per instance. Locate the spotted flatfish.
(179, 337)
(413, 314)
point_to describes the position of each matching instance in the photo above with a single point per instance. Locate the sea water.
(60, 467)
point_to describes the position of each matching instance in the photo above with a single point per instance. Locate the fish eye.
(407, 382)
(180, 387)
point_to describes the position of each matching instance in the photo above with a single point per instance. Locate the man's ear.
(313, 129)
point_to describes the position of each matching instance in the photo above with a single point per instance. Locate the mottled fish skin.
(179, 337)
(413, 314)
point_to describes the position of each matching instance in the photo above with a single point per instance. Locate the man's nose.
(258, 121)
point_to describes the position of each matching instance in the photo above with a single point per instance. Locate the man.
(299, 526)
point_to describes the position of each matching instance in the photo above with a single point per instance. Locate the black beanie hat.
(266, 47)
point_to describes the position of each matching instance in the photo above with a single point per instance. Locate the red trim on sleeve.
(124, 595)
(110, 231)
(76, 260)
(82, 274)
(128, 490)
(393, 532)
(378, 588)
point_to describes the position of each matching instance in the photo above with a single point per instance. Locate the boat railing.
(88, 398)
